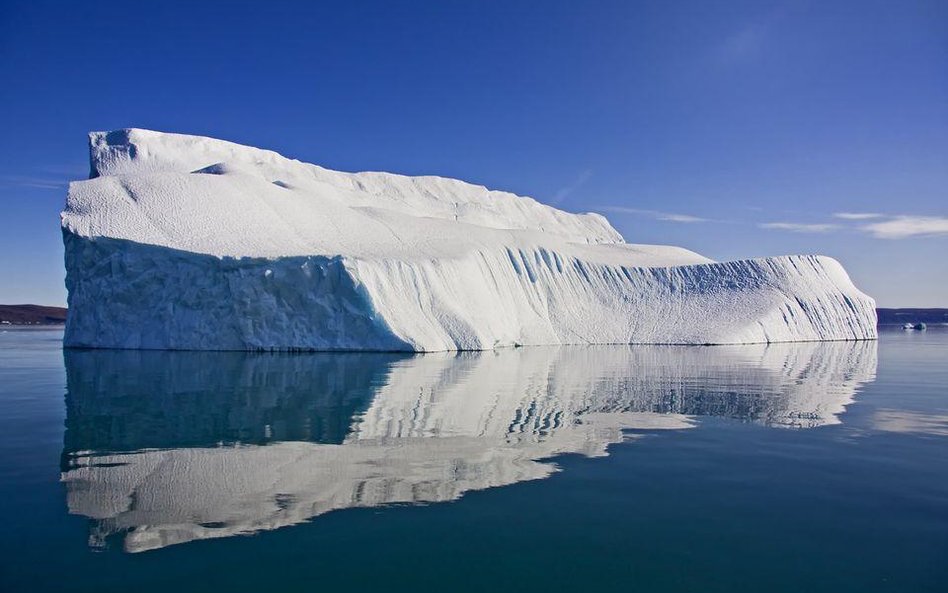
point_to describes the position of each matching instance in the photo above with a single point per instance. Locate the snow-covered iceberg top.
(219, 198)
(184, 242)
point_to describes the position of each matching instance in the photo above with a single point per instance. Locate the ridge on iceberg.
(184, 242)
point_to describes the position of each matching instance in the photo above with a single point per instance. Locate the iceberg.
(191, 243)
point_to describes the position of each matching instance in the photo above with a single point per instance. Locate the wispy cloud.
(672, 217)
(657, 214)
(34, 182)
(797, 227)
(857, 215)
(564, 192)
(70, 170)
(744, 44)
(749, 41)
(901, 227)
(880, 226)
(883, 226)
(47, 176)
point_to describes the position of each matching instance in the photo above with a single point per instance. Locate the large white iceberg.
(184, 242)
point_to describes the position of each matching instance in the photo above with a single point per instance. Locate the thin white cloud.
(53, 177)
(797, 227)
(902, 227)
(564, 192)
(744, 44)
(672, 217)
(71, 170)
(857, 215)
(657, 214)
(748, 43)
(882, 226)
(34, 182)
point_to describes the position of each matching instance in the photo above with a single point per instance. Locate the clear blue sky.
(736, 129)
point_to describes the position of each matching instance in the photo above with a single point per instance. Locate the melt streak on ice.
(184, 242)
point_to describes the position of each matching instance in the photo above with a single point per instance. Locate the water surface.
(819, 466)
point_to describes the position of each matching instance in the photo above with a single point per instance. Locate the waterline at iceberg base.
(183, 242)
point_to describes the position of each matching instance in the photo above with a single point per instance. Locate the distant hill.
(32, 315)
(900, 316)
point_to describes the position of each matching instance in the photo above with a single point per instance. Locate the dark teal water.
(806, 467)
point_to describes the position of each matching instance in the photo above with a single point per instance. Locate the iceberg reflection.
(168, 447)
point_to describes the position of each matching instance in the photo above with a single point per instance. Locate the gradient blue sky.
(736, 129)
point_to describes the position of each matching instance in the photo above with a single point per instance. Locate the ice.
(184, 242)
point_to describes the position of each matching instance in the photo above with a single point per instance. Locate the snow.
(184, 242)
(430, 427)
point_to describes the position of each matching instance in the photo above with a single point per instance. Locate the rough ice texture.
(183, 242)
(394, 429)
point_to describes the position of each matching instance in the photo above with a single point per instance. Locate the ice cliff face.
(183, 242)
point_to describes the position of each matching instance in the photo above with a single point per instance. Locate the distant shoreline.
(911, 315)
(39, 315)
(31, 315)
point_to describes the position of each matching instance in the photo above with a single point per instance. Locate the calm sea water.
(803, 467)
